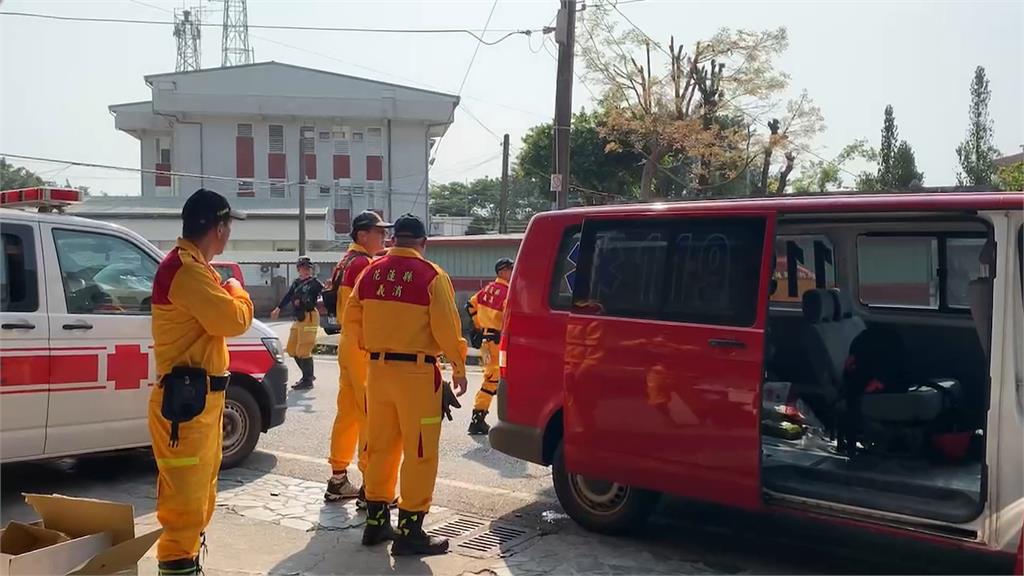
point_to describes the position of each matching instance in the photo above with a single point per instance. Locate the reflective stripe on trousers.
(187, 479)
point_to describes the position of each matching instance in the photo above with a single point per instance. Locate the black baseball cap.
(206, 208)
(502, 264)
(410, 226)
(367, 220)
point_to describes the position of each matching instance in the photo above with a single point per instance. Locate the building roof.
(115, 212)
(150, 77)
(170, 207)
(1010, 160)
(273, 89)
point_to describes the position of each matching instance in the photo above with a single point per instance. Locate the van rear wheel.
(599, 505)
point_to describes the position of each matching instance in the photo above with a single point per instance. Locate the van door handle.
(78, 326)
(18, 326)
(725, 343)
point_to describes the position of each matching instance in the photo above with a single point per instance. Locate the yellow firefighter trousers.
(186, 491)
(302, 336)
(492, 372)
(349, 432)
(404, 419)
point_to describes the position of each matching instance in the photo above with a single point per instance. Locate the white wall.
(186, 157)
(408, 166)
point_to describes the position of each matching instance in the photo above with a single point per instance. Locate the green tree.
(887, 150)
(905, 173)
(479, 199)
(600, 170)
(826, 175)
(674, 106)
(13, 177)
(976, 153)
(1011, 177)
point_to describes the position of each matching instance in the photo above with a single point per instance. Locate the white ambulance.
(76, 350)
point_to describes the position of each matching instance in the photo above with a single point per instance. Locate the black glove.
(448, 400)
(476, 339)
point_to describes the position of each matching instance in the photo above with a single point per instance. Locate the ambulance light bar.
(44, 198)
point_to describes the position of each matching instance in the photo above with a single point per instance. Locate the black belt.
(219, 383)
(397, 356)
(492, 335)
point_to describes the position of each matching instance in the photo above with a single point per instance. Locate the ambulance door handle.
(18, 326)
(725, 343)
(78, 326)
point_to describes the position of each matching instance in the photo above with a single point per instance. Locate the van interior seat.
(825, 350)
(920, 402)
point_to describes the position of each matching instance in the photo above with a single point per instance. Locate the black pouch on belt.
(184, 397)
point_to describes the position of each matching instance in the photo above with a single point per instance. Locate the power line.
(478, 37)
(478, 121)
(451, 117)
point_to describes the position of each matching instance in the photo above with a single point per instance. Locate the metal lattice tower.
(188, 32)
(235, 48)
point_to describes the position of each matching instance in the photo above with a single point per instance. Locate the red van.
(854, 358)
(229, 270)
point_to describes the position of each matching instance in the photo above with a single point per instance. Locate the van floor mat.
(911, 499)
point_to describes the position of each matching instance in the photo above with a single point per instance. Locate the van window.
(702, 271)
(809, 260)
(19, 290)
(716, 269)
(629, 265)
(104, 274)
(928, 272)
(565, 269)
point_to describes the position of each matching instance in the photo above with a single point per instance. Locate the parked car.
(76, 360)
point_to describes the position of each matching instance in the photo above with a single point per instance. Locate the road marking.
(443, 481)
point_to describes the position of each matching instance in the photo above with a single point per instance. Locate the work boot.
(479, 426)
(411, 540)
(361, 500)
(378, 524)
(180, 567)
(339, 488)
(306, 365)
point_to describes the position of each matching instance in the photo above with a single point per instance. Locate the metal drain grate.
(493, 540)
(482, 538)
(460, 526)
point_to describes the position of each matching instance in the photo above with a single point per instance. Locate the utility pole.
(503, 201)
(302, 219)
(565, 36)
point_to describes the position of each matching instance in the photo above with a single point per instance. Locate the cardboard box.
(74, 536)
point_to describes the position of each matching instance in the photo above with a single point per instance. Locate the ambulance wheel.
(598, 505)
(242, 425)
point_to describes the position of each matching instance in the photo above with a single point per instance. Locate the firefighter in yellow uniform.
(402, 312)
(369, 231)
(487, 309)
(193, 314)
(302, 296)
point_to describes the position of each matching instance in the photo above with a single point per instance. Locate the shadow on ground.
(128, 476)
(682, 538)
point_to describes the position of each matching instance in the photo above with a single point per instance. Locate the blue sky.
(852, 57)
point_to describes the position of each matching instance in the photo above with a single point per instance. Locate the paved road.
(471, 475)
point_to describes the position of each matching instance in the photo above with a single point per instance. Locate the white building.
(260, 134)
